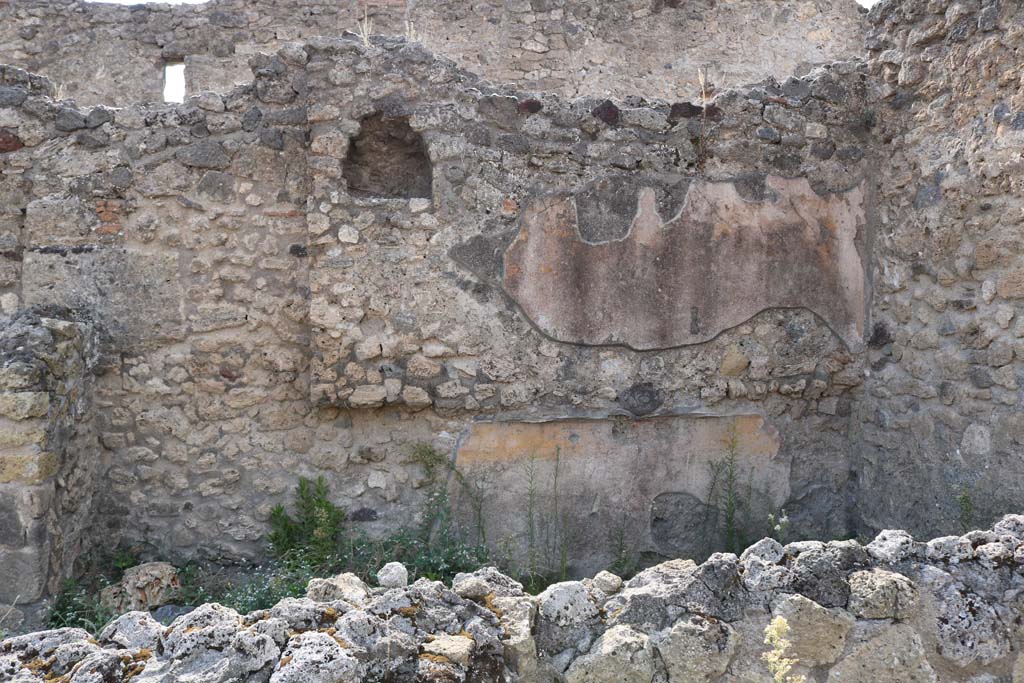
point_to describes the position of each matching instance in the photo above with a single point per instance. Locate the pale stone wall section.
(259, 322)
(112, 54)
(49, 459)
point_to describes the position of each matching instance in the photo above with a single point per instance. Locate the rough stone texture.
(661, 626)
(260, 322)
(48, 468)
(697, 649)
(115, 55)
(941, 405)
(393, 575)
(263, 316)
(142, 587)
(818, 634)
(881, 594)
(620, 654)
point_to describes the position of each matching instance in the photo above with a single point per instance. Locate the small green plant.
(726, 493)
(559, 532)
(625, 562)
(317, 542)
(77, 606)
(533, 570)
(271, 583)
(191, 589)
(123, 560)
(776, 638)
(965, 515)
(315, 530)
(702, 141)
(547, 529)
(429, 457)
(433, 462)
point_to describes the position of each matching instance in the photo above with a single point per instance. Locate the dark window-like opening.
(388, 159)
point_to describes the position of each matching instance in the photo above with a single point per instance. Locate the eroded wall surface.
(115, 55)
(368, 249)
(274, 300)
(603, 491)
(49, 460)
(939, 423)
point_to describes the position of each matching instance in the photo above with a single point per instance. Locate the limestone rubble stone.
(881, 594)
(818, 634)
(895, 655)
(696, 650)
(347, 586)
(143, 587)
(620, 655)
(930, 617)
(458, 649)
(393, 575)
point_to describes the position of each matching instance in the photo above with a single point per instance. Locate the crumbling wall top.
(116, 54)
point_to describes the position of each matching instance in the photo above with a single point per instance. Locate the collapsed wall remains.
(894, 610)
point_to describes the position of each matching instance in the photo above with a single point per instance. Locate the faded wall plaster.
(684, 278)
(575, 486)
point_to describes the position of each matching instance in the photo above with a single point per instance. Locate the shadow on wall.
(388, 159)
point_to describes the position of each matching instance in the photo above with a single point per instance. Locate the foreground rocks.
(895, 610)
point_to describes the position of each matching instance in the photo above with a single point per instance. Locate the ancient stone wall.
(272, 308)
(49, 458)
(893, 611)
(115, 55)
(439, 302)
(939, 424)
(590, 306)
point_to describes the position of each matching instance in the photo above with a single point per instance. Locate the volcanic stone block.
(27, 468)
(60, 221)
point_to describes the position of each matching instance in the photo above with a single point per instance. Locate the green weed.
(316, 528)
(965, 514)
(78, 606)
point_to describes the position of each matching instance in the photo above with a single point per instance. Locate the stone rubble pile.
(894, 610)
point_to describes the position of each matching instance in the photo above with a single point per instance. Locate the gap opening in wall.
(174, 82)
(388, 159)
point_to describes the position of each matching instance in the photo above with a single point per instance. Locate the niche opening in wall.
(388, 159)
(174, 82)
